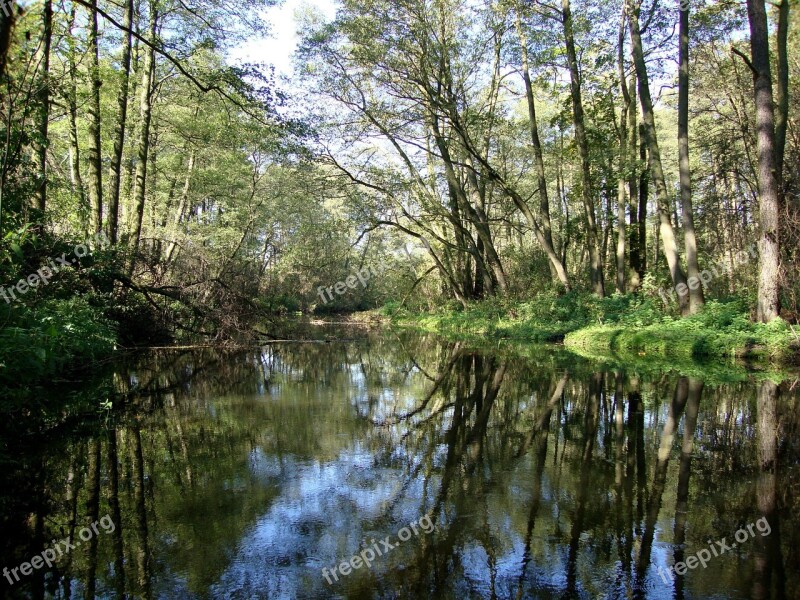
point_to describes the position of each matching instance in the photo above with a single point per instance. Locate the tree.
(626, 130)
(538, 151)
(768, 167)
(654, 152)
(429, 83)
(782, 93)
(71, 99)
(94, 153)
(696, 296)
(43, 106)
(146, 90)
(115, 171)
(592, 239)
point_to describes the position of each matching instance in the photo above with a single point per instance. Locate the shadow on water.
(256, 474)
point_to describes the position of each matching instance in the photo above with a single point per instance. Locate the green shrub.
(38, 342)
(623, 324)
(722, 329)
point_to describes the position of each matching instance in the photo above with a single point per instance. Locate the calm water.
(244, 475)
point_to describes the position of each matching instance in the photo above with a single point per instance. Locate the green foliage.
(618, 325)
(39, 342)
(64, 323)
(723, 329)
(280, 304)
(546, 318)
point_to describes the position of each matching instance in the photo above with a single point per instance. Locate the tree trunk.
(667, 233)
(492, 175)
(622, 233)
(43, 109)
(461, 213)
(782, 91)
(6, 25)
(92, 514)
(622, 184)
(610, 197)
(152, 185)
(768, 180)
(115, 173)
(696, 296)
(94, 150)
(637, 229)
(182, 203)
(485, 236)
(143, 560)
(538, 153)
(145, 115)
(76, 180)
(116, 513)
(596, 265)
(566, 233)
(129, 166)
(644, 200)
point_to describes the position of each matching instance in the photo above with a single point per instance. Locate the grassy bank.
(618, 327)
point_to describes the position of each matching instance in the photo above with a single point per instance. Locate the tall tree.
(696, 295)
(145, 116)
(637, 233)
(656, 167)
(768, 178)
(623, 187)
(578, 115)
(71, 98)
(43, 107)
(94, 152)
(115, 174)
(782, 90)
(533, 121)
(640, 193)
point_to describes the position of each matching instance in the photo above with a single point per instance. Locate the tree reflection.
(768, 556)
(244, 474)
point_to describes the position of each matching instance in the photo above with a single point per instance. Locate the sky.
(278, 49)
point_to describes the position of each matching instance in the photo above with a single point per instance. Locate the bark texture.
(768, 179)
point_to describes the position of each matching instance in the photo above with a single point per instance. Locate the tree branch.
(203, 88)
(745, 58)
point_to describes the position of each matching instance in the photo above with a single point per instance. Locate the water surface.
(245, 475)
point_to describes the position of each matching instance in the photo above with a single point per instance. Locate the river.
(397, 465)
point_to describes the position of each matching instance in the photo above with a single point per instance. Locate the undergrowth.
(617, 324)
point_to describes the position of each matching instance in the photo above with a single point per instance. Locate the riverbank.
(617, 328)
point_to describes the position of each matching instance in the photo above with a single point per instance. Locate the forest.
(511, 161)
